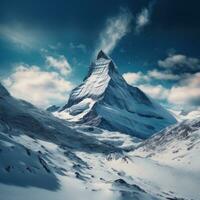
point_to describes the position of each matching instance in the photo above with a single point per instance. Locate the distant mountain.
(178, 145)
(105, 100)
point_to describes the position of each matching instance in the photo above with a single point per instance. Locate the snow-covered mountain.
(54, 159)
(20, 117)
(177, 145)
(105, 100)
(41, 154)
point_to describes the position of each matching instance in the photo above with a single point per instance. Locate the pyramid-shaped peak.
(101, 54)
(104, 94)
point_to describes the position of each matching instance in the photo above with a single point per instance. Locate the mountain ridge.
(43, 154)
(104, 93)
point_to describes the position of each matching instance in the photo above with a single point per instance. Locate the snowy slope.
(178, 145)
(105, 100)
(40, 153)
(18, 116)
(30, 165)
(43, 157)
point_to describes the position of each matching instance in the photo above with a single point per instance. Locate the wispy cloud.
(142, 19)
(162, 75)
(116, 28)
(18, 35)
(180, 61)
(37, 86)
(60, 64)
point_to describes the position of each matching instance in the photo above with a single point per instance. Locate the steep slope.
(20, 117)
(41, 154)
(105, 100)
(25, 135)
(178, 145)
(45, 156)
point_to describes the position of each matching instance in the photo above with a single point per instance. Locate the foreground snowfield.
(65, 173)
(44, 157)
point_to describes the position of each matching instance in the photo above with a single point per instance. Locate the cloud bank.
(187, 91)
(42, 88)
(184, 87)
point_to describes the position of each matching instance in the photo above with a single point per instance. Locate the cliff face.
(105, 100)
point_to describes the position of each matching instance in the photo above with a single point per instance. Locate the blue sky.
(46, 47)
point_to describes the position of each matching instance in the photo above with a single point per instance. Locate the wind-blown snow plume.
(116, 28)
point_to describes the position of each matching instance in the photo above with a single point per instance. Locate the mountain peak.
(105, 100)
(101, 54)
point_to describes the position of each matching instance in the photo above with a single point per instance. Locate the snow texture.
(105, 100)
(44, 157)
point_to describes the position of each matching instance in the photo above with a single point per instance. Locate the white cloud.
(139, 77)
(187, 92)
(180, 61)
(135, 77)
(155, 91)
(143, 82)
(142, 19)
(116, 28)
(61, 64)
(39, 87)
(162, 75)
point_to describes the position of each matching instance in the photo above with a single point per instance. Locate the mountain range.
(113, 142)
